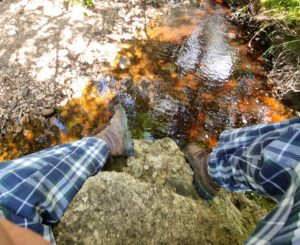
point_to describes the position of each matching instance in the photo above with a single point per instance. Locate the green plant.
(86, 3)
(286, 65)
(285, 4)
(284, 9)
(292, 46)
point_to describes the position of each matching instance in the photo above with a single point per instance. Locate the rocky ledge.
(153, 201)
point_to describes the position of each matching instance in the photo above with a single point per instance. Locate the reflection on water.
(190, 52)
(78, 118)
(218, 56)
(192, 78)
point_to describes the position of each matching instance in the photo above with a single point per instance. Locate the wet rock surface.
(152, 200)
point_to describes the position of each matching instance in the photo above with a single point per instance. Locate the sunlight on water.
(214, 77)
(187, 80)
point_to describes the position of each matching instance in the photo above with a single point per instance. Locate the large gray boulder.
(153, 201)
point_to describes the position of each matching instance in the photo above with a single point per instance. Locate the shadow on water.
(190, 79)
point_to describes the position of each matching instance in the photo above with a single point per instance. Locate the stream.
(191, 77)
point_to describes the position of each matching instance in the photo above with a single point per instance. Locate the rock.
(124, 62)
(169, 67)
(14, 115)
(167, 164)
(47, 112)
(133, 207)
(13, 105)
(231, 35)
(292, 98)
(25, 91)
(40, 96)
(23, 119)
(19, 129)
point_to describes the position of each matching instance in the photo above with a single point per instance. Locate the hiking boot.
(117, 135)
(198, 159)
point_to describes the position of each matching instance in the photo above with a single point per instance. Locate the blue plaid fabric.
(35, 190)
(264, 158)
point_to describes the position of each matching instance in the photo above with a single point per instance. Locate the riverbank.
(273, 27)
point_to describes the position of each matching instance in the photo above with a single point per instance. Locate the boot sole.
(128, 142)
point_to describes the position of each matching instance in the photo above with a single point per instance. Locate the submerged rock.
(153, 109)
(292, 98)
(153, 201)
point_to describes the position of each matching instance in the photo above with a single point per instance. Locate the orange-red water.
(190, 79)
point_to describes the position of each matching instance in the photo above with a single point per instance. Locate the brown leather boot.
(117, 135)
(198, 159)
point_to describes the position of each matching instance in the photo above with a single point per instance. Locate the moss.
(260, 200)
(142, 123)
(146, 124)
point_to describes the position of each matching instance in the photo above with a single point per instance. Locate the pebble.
(13, 105)
(231, 35)
(124, 62)
(25, 91)
(19, 129)
(47, 112)
(40, 96)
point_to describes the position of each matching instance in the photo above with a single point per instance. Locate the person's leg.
(246, 159)
(263, 158)
(35, 190)
(244, 155)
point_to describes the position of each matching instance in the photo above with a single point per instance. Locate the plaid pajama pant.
(264, 158)
(36, 190)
